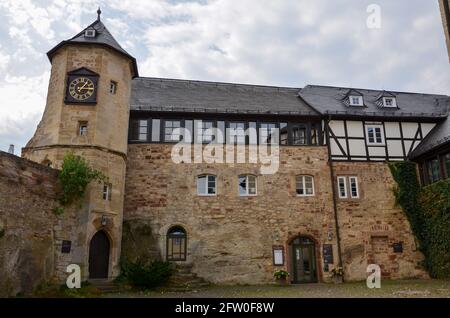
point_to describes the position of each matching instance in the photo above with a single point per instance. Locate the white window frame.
(141, 134)
(106, 193)
(112, 87)
(354, 180)
(247, 194)
(206, 194)
(83, 129)
(202, 130)
(375, 143)
(303, 182)
(90, 33)
(345, 196)
(171, 129)
(394, 102)
(237, 133)
(360, 100)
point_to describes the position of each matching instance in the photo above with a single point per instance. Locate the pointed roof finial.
(99, 12)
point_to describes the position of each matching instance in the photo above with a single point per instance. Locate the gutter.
(333, 187)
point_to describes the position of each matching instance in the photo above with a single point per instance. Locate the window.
(433, 170)
(90, 33)
(113, 88)
(356, 100)
(143, 127)
(266, 132)
(205, 131)
(305, 186)
(353, 187)
(299, 136)
(389, 102)
(236, 133)
(314, 136)
(342, 187)
(284, 134)
(107, 191)
(446, 159)
(169, 130)
(375, 135)
(206, 185)
(83, 128)
(354, 191)
(176, 244)
(247, 185)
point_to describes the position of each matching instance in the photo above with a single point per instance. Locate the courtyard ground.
(389, 289)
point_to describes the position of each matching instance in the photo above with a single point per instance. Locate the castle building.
(329, 203)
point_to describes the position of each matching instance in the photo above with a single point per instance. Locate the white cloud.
(24, 102)
(289, 42)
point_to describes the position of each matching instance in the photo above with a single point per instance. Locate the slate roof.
(157, 94)
(329, 100)
(102, 37)
(439, 136)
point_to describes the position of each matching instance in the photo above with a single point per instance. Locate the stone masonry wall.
(230, 238)
(30, 246)
(371, 224)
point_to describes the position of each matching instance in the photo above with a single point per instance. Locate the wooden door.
(99, 256)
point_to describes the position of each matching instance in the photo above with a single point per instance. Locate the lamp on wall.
(330, 236)
(104, 220)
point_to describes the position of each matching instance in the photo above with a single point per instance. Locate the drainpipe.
(333, 187)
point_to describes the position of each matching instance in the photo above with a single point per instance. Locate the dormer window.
(389, 102)
(356, 100)
(90, 33)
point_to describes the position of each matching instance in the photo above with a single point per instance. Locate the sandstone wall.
(230, 238)
(30, 246)
(372, 224)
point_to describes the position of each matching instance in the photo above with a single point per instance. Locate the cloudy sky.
(271, 42)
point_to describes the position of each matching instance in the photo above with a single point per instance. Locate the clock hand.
(81, 88)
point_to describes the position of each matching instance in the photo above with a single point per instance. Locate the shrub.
(146, 276)
(74, 177)
(281, 274)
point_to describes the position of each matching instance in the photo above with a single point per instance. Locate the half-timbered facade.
(329, 203)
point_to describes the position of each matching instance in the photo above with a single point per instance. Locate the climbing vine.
(428, 210)
(75, 176)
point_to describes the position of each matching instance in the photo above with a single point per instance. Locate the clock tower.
(87, 113)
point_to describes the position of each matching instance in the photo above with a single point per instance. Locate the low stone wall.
(30, 242)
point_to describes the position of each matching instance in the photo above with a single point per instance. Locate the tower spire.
(99, 12)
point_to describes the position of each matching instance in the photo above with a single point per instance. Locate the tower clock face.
(81, 88)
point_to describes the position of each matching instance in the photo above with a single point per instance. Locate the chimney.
(11, 149)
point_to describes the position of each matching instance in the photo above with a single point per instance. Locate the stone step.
(104, 285)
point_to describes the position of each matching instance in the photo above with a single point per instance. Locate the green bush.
(74, 177)
(428, 210)
(146, 276)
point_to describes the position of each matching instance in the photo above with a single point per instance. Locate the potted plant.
(337, 273)
(281, 276)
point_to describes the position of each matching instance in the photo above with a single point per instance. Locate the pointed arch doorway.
(99, 256)
(303, 260)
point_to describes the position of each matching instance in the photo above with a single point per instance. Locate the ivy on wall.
(428, 211)
(74, 177)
